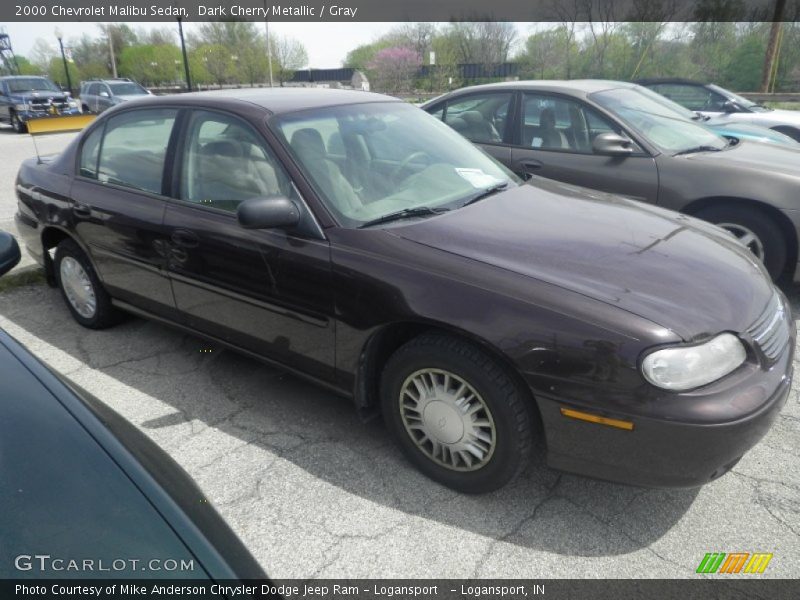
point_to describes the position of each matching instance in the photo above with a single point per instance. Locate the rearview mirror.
(268, 213)
(9, 252)
(612, 144)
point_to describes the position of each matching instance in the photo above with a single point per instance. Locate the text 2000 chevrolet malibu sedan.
(358, 241)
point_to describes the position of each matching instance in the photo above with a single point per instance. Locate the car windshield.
(31, 84)
(371, 161)
(127, 89)
(657, 123)
(740, 100)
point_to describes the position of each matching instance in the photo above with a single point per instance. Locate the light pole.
(269, 46)
(64, 58)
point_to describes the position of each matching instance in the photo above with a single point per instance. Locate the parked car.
(356, 241)
(28, 97)
(82, 484)
(713, 101)
(723, 126)
(622, 138)
(99, 94)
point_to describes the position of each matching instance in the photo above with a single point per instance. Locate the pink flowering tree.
(393, 69)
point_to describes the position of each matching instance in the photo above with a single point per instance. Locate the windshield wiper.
(406, 213)
(485, 193)
(698, 149)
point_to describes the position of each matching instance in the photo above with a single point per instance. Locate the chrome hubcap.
(78, 287)
(447, 419)
(746, 237)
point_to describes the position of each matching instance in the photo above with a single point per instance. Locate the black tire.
(511, 410)
(105, 315)
(85, 109)
(17, 124)
(762, 225)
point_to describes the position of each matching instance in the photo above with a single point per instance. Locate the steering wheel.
(419, 154)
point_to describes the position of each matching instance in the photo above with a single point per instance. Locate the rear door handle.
(185, 238)
(82, 211)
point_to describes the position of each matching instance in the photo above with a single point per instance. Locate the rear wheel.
(456, 414)
(17, 123)
(754, 229)
(82, 290)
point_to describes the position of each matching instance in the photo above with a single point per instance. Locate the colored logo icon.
(735, 562)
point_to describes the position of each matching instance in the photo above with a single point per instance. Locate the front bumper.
(27, 115)
(671, 452)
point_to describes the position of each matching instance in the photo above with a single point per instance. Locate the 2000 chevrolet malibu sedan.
(355, 240)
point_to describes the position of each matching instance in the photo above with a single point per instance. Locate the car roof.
(4, 77)
(282, 100)
(652, 80)
(572, 87)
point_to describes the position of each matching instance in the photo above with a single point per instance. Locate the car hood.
(681, 273)
(754, 156)
(791, 117)
(27, 96)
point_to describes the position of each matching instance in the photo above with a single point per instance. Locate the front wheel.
(17, 123)
(456, 414)
(754, 229)
(82, 290)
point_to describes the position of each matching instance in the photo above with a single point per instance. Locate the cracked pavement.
(314, 492)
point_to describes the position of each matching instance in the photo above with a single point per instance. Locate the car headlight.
(73, 104)
(685, 367)
(22, 107)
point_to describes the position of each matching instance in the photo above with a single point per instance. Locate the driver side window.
(560, 124)
(225, 162)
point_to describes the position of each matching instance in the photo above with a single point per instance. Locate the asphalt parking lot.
(314, 492)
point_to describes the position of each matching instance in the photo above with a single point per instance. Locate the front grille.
(770, 332)
(43, 104)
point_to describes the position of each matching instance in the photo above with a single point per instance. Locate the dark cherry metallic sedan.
(355, 240)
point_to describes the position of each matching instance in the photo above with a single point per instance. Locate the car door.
(555, 136)
(104, 100)
(266, 291)
(118, 205)
(5, 102)
(482, 118)
(91, 97)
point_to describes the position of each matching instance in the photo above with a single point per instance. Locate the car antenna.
(56, 124)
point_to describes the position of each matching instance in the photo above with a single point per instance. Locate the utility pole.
(111, 52)
(772, 45)
(185, 58)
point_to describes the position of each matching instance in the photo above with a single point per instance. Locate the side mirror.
(9, 252)
(612, 144)
(729, 106)
(268, 213)
(104, 94)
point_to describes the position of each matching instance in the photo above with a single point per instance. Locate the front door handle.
(82, 211)
(530, 164)
(185, 238)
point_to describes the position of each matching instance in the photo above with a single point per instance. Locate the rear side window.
(134, 148)
(480, 118)
(90, 152)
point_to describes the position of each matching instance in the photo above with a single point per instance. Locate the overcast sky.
(326, 43)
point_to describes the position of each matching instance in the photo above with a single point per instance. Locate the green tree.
(151, 65)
